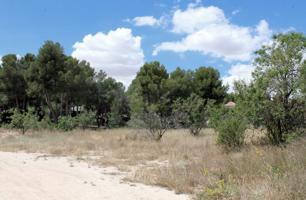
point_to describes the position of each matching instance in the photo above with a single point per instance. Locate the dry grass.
(181, 162)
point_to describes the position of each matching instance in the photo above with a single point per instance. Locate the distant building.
(230, 105)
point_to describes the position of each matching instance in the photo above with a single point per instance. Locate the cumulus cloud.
(238, 72)
(208, 31)
(147, 21)
(196, 18)
(117, 52)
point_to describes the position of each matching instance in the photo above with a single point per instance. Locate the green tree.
(45, 76)
(208, 84)
(148, 96)
(24, 120)
(191, 113)
(275, 99)
(180, 84)
(120, 111)
(151, 85)
(12, 83)
(78, 79)
(110, 101)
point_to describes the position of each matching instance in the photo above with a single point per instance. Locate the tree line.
(59, 88)
(57, 85)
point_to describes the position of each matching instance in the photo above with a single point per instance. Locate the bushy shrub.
(156, 124)
(191, 113)
(46, 123)
(136, 122)
(24, 121)
(231, 132)
(230, 125)
(86, 119)
(67, 123)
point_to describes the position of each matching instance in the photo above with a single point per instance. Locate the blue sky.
(122, 34)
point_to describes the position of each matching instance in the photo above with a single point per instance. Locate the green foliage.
(46, 123)
(44, 76)
(149, 88)
(78, 83)
(208, 85)
(110, 102)
(85, 119)
(183, 94)
(12, 82)
(180, 84)
(230, 125)
(274, 99)
(24, 121)
(156, 124)
(152, 79)
(55, 84)
(191, 113)
(67, 123)
(17, 120)
(137, 122)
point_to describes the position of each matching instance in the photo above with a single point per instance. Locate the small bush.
(156, 125)
(136, 122)
(67, 123)
(24, 121)
(46, 123)
(85, 119)
(231, 127)
(191, 113)
(231, 132)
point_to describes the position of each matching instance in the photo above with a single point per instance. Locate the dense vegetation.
(52, 89)
(52, 85)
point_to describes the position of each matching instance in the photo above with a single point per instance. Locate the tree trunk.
(53, 115)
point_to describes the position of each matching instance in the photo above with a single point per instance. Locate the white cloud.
(208, 31)
(147, 21)
(235, 12)
(195, 3)
(238, 72)
(195, 19)
(117, 52)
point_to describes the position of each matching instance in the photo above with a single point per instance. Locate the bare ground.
(34, 176)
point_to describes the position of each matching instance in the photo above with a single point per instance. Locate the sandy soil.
(35, 177)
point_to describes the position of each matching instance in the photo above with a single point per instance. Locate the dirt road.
(35, 177)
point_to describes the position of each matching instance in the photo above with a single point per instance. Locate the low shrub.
(24, 120)
(231, 132)
(46, 123)
(156, 125)
(230, 125)
(67, 123)
(86, 119)
(191, 113)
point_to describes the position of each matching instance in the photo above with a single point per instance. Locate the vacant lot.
(186, 164)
